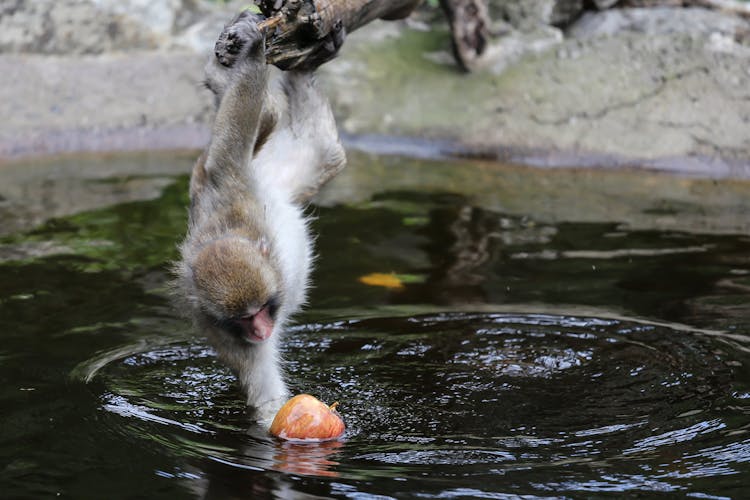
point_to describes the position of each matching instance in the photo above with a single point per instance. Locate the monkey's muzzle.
(256, 327)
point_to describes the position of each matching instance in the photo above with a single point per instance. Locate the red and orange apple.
(305, 418)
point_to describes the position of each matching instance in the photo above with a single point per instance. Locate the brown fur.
(230, 273)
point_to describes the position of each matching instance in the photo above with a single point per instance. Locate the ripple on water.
(538, 403)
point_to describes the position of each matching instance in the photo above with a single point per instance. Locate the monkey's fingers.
(241, 37)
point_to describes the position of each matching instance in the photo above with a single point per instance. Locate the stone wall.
(563, 84)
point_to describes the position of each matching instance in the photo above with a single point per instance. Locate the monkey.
(246, 258)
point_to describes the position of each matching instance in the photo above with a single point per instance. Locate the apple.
(305, 418)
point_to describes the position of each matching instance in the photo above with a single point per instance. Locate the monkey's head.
(237, 288)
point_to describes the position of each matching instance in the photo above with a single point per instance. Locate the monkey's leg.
(302, 151)
(313, 125)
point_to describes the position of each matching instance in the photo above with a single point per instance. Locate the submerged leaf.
(387, 280)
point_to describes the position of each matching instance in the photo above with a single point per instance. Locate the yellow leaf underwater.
(382, 279)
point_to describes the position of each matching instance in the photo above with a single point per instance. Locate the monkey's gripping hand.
(239, 51)
(240, 39)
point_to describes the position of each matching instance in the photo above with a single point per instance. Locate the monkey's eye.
(273, 306)
(229, 325)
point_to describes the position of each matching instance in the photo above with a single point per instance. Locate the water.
(520, 357)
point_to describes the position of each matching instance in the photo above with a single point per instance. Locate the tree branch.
(300, 29)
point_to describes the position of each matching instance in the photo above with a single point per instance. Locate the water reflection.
(462, 242)
(451, 252)
(316, 459)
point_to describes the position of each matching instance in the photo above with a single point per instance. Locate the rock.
(696, 22)
(676, 101)
(98, 26)
(528, 14)
(604, 4)
(132, 100)
(565, 11)
(663, 88)
(200, 36)
(68, 27)
(517, 44)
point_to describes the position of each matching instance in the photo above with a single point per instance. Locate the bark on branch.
(301, 32)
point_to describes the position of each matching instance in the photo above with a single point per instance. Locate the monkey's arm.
(239, 69)
(235, 128)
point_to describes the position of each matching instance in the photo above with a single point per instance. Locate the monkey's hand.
(241, 40)
(239, 53)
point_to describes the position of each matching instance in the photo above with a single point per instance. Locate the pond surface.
(512, 354)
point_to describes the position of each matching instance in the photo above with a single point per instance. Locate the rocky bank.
(664, 87)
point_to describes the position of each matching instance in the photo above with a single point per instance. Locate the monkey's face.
(237, 288)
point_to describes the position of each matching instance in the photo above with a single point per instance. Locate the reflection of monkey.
(247, 255)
